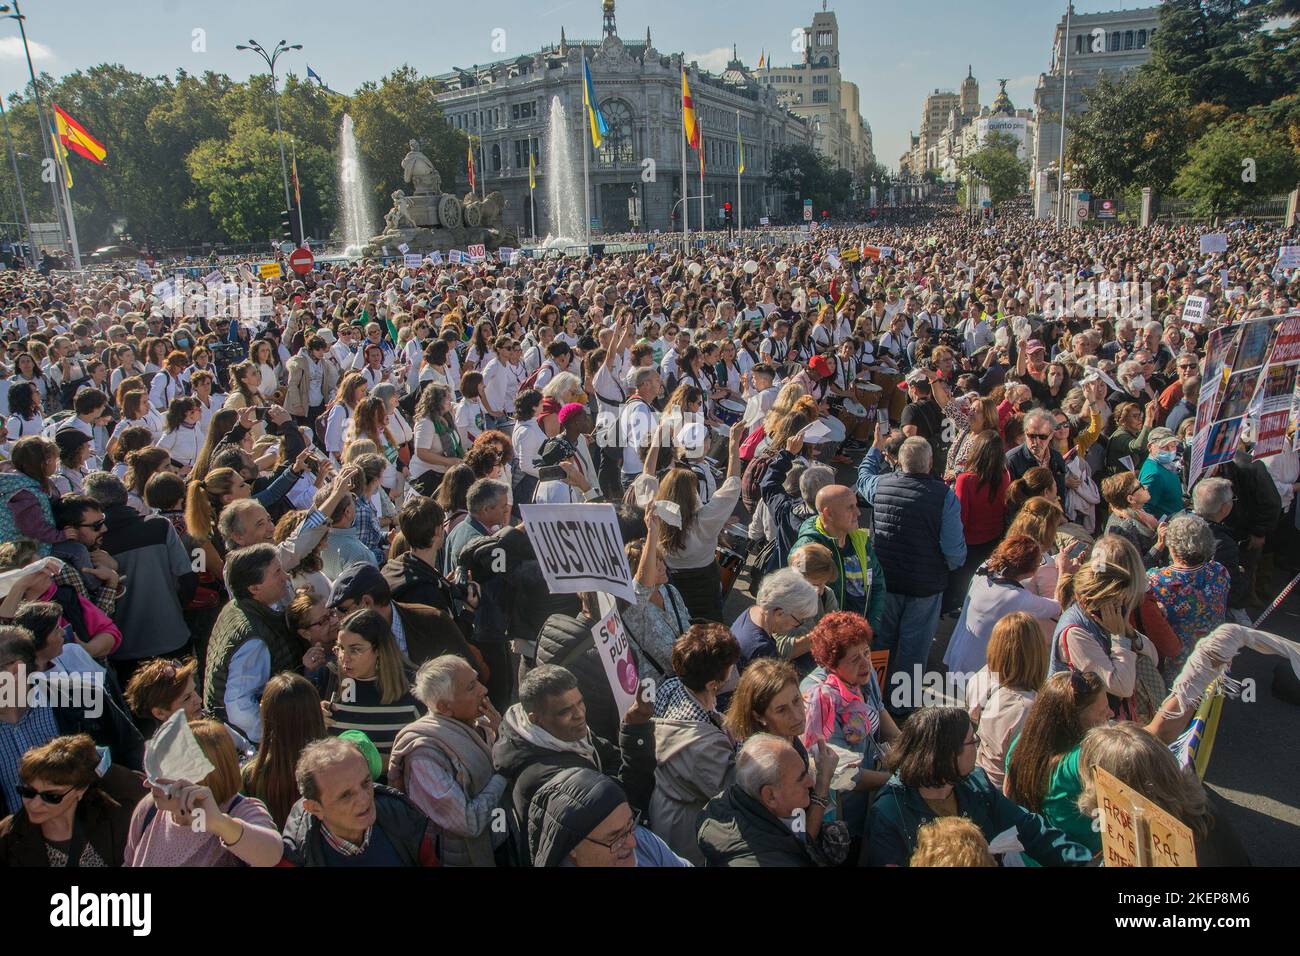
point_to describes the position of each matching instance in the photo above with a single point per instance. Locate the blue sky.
(896, 52)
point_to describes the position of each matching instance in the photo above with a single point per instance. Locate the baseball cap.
(1157, 435)
(821, 367)
(70, 439)
(356, 581)
(1034, 345)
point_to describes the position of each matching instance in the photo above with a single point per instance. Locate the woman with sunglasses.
(935, 776)
(65, 819)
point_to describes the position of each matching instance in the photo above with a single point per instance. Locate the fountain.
(564, 205)
(354, 190)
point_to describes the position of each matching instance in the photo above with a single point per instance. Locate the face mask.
(183, 343)
(1168, 459)
(1137, 382)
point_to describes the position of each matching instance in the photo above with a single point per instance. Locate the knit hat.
(566, 810)
(571, 411)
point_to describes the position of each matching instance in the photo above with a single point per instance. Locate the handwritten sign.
(579, 548)
(615, 651)
(477, 252)
(1136, 832)
(1194, 309)
(270, 270)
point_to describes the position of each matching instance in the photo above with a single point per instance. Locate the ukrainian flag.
(595, 118)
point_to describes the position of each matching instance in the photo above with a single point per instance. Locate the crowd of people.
(302, 528)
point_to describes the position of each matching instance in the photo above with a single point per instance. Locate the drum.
(730, 564)
(854, 408)
(838, 432)
(892, 397)
(868, 396)
(730, 410)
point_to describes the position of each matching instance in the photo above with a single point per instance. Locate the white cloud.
(11, 48)
(715, 61)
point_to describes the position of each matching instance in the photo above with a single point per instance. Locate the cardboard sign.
(1194, 309)
(1136, 832)
(477, 252)
(506, 255)
(434, 258)
(579, 548)
(615, 651)
(1214, 242)
(270, 270)
(1288, 257)
(412, 260)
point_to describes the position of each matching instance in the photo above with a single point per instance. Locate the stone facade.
(508, 105)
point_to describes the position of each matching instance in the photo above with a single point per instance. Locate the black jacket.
(1021, 459)
(527, 766)
(516, 602)
(1259, 506)
(737, 830)
(411, 833)
(413, 581)
(1228, 553)
(566, 641)
(788, 511)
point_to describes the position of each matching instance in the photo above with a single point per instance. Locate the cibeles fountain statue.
(427, 218)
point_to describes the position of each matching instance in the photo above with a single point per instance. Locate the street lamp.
(270, 58)
(17, 14)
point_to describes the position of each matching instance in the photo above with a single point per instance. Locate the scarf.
(518, 721)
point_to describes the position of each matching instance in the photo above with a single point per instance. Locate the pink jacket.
(97, 622)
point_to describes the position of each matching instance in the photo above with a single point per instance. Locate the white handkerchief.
(175, 754)
(669, 513)
(1007, 841)
(816, 433)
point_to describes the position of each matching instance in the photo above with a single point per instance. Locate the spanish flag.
(473, 181)
(762, 59)
(595, 118)
(61, 156)
(689, 120)
(74, 136)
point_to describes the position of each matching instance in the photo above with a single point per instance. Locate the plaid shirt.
(367, 525)
(346, 847)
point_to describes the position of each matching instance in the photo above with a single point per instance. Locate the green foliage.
(1135, 133)
(996, 165)
(1210, 49)
(800, 172)
(194, 159)
(1236, 163)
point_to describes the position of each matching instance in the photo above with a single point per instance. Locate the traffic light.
(287, 226)
(726, 208)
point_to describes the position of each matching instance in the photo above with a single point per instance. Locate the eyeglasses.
(1060, 426)
(619, 840)
(48, 796)
(99, 525)
(1040, 436)
(325, 618)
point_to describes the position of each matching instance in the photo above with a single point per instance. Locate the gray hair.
(543, 682)
(1189, 539)
(320, 755)
(759, 763)
(435, 681)
(562, 384)
(485, 493)
(813, 480)
(787, 590)
(384, 390)
(1210, 495)
(641, 374)
(231, 522)
(104, 487)
(1040, 415)
(1129, 369)
(915, 456)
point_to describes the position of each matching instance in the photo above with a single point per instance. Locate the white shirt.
(163, 389)
(183, 444)
(414, 364)
(502, 385)
(470, 419)
(636, 423)
(335, 425)
(528, 438)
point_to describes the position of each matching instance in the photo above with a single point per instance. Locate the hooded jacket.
(873, 573)
(566, 641)
(523, 756)
(412, 580)
(565, 810)
(735, 829)
(695, 761)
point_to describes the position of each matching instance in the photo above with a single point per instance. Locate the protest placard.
(1137, 832)
(579, 548)
(1288, 257)
(214, 278)
(412, 260)
(403, 248)
(456, 256)
(477, 252)
(506, 254)
(434, 258)
(1214, 242)
(615, 652)
(270, 270)
(1194, 309)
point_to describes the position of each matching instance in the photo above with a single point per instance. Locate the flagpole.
(62, 160)
(740, 160)
(532, 188)
(686, 189)
(586, 150)
(297, 192)
(40, 119)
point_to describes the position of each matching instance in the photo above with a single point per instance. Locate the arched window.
(617, 148)
(496, 157)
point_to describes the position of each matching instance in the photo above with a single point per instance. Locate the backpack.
(531, 380)
(750, 482)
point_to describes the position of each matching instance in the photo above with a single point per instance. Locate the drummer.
(842, 387)
(760, 393)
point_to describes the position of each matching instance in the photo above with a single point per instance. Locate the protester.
(999, 695)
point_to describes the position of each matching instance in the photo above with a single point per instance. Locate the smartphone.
(259, 412)
(882, 416)
(1076, 551)
(551, 473)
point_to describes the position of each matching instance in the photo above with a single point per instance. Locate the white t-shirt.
(470, 420)
(636, 423)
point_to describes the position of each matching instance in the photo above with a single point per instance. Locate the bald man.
(859, 582)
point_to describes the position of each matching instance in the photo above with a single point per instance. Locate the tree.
(998, 167)
(1236, 163)
(800, 172)
(1134, 133)
(1210, 48)
(240, 176)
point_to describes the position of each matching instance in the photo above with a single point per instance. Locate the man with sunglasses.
(1037, 451)
(84, 551)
